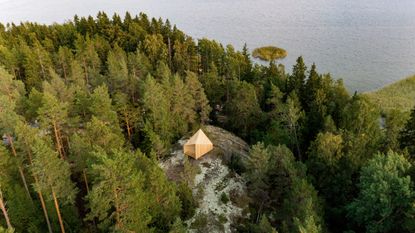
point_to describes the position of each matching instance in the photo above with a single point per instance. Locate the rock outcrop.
(220, 192)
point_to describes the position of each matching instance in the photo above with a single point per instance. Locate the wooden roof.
(199, 138)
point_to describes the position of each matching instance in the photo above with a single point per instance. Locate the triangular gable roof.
(199, 138)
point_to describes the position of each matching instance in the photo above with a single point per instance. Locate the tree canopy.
(90, 107)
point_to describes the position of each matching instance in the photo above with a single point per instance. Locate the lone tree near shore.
(269, 53)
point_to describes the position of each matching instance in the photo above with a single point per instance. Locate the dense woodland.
(89, 107)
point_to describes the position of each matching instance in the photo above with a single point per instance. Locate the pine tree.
(407, 134)
(27, 137)
(5, 178)
(101, 107)
(118, 76)
(76, 76)
(89, 59)
(129, 114)
(297, 79)
(178, 227)
(182, 106)
(302, 208)
(264, 226)
(4, 210)
(165, 205)
(386, 194)
(312, 85)
(202, 107)
(37, 62)
(155, 49)
(117, 195)
(54, 177)
(64, 60)
(291, 116)
(57, 87)
(96, 136)
(157, 110)
(243, 110)
(10, 94)
(53, 116)
(139, 67)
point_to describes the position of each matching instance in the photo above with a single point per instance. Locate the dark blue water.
(368, 43)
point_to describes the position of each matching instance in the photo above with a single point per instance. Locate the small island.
(269, 53)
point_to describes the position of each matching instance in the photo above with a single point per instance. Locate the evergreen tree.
(88, 57)
(243, 109)
(11, 92)
(101, 107)
(183, 106)
(196, 90)
(394, 123)
(407, 134)
(117, 198)
(362, 136)
(53, 177)
(264, 226)
(302, 208)
(155, 49)
(64, 60)
(129, 115)
(53, 115)
(157, 110)
(37, 62)
(3, 180)
(386, 193)
(297, 79)
(27, 137)
(178, 227)
(117, 69)
(291, 116)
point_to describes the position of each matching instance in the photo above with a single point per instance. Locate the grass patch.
(396, 96)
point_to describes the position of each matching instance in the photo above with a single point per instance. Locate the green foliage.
(101, 107)
(297, 79)
(189, 203)
(178, 227)
(386, 194)
(117, 69)
(264, 226)
(3, 230)
(52, 113)
(407, 134)
(302, 210)
(395, 122)
(101, 88)
(242, 109)
(155, 49)
(118, 199)
(201, 103)
(277, 184)
(54, 173)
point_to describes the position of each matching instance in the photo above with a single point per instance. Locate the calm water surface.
(368, 43)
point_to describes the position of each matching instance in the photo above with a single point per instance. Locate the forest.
(89, 107)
